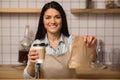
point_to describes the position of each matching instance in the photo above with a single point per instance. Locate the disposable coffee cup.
(40, 48)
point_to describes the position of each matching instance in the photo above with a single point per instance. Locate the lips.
(53, 26)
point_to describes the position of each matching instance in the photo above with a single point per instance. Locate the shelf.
(77, 10)
(73, 11)
(20, 10)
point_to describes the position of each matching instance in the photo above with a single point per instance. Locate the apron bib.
(57, 66)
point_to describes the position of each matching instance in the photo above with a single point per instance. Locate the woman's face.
(52, 21)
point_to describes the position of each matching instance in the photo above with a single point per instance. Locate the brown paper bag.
(81, 56)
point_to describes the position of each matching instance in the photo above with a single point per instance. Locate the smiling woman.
(52, 21)
(53, 31)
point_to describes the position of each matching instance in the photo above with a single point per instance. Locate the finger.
(33, 56)
(33, 52)
(90, 40)
(94, 41)
(85, 39)
(32, 61)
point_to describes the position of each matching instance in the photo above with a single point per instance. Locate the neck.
(54, 37)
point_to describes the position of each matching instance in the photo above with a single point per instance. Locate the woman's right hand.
(33, 56)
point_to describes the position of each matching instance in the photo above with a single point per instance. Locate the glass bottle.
(110, 4)
(90, 4)
(99, 62)
(24, 47)
(100, 51)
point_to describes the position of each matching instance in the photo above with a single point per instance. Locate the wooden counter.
(111, 72)
(15, 72)
(101, 74)
(59, 79)
(11, 71)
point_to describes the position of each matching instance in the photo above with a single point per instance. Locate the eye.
(58, 17)
(47, 17)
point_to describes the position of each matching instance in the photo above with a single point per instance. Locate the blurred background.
(104, 26)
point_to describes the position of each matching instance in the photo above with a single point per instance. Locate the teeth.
(52, 26)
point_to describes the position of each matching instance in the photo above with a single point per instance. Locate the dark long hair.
(41, 32)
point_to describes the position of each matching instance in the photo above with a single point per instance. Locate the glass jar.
(90, 4)
(110, 4)
(24, 47)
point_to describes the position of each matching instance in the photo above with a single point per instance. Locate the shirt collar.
(48, 43)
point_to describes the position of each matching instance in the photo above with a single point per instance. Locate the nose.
(52, 20)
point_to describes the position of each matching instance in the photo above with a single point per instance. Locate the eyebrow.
(55, 15)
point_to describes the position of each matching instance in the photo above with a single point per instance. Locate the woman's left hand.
(90, 40)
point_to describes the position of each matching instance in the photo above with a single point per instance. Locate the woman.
(53, 30)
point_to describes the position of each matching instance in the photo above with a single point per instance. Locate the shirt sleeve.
(25, 73)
